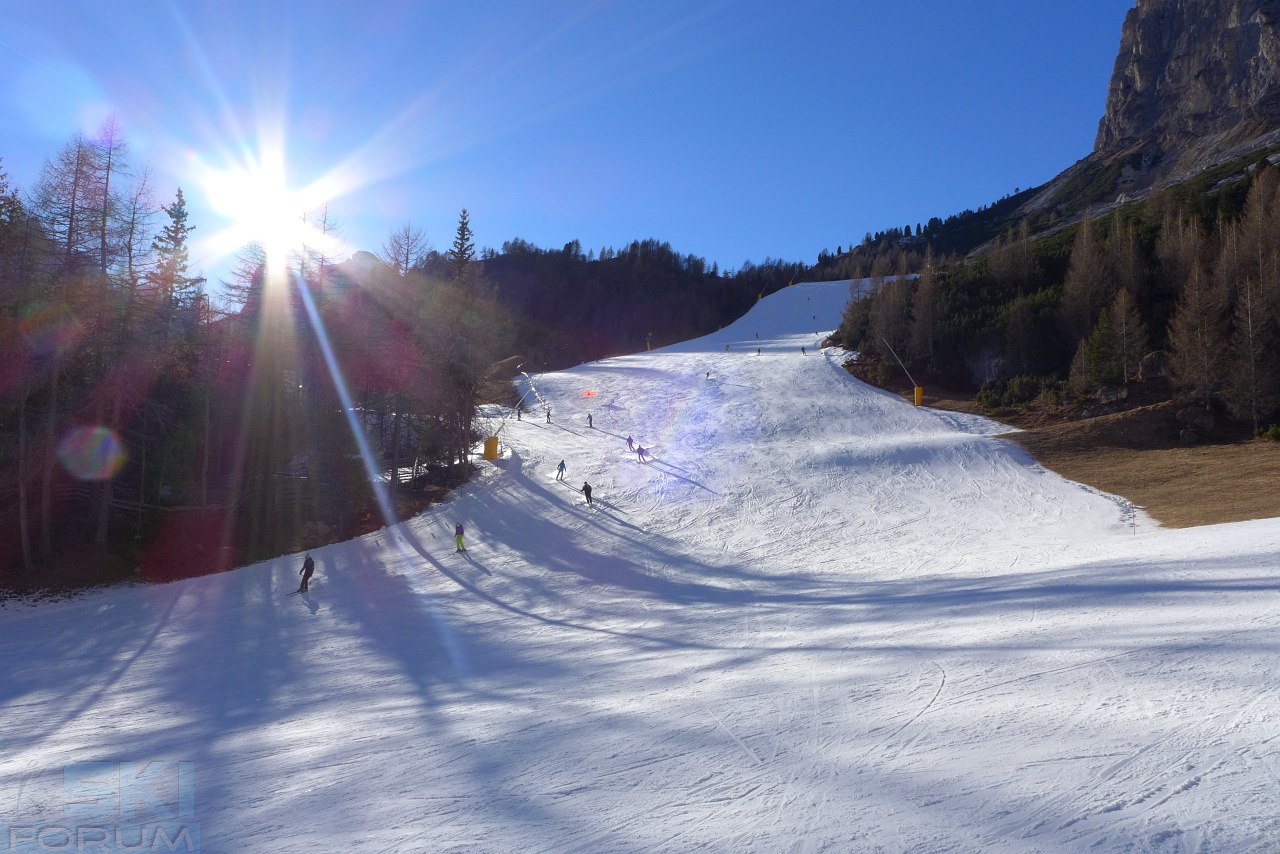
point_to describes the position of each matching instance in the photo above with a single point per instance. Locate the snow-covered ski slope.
(819, 620)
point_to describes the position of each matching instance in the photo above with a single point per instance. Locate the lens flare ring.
(91, 453)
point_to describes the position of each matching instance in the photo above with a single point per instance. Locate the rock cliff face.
(1194, 79)
(1196, 84)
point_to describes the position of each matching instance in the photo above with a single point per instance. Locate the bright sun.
(262, 209)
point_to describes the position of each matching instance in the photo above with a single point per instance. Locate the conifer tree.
(1198, 336)
(1129, 333)
(65, 199)
(1020, 337)
(1088, 287)
(1124, 255)
(926, 311)
(891, 316)
(169, 276)
(1180, 249)
(1102, 360)
(1078, 377)
(13, 224)
(1252, 388)
(463, 250)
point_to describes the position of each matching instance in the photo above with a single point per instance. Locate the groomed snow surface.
(818, 620)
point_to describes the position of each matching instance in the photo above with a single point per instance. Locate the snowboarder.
(457, 535)
(726, 348)
(708, 375)
(757, 351)
(519, 409)
(640, 452)
(802, 352)
(757, 336)
(631, 446)
(588, 419)
(560, 471)
(586, 490)
(308, 569)
(548, 415)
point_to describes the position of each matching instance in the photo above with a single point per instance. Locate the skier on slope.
(548, 414)
(640, 452)
(589, 419)
(631, 446)
(586, 490)
(308, 569)
(802, 352)
(457, 536)
(560, 471)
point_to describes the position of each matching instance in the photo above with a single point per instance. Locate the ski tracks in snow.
(819, 620)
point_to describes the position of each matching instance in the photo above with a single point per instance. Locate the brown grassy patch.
(1131, 454)
(1136, 454)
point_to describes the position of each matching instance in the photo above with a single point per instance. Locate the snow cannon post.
(491, 448)
(919, 398)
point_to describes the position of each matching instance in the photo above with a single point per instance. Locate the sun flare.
(255, 196)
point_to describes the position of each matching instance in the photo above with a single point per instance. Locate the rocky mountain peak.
(1193, 79)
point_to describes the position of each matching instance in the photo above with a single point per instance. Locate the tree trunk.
(395, 462)
(142, 481)
(46, 476)
(204, 456)
(108, 485)
(24, 521)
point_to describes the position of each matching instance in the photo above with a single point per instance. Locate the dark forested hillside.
(1191, 275)
(571, 307)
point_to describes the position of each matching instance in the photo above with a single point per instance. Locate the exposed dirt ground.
(1135, 453)
(1180, 486)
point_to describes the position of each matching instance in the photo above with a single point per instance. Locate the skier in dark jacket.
(586, 490)
(560, 471)
(631, 446)
(308, 569)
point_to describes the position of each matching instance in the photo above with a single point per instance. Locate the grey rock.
(1195, 417)
(1153, 365)
(1110, 394)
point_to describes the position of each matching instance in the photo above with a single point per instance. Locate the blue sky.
(733, 130)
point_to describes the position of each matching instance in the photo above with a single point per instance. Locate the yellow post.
(919, 395)
(491, 448)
